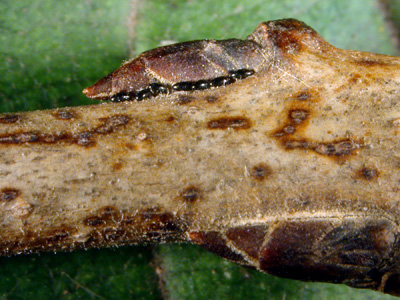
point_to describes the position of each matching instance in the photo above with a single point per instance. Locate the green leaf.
(124, 273)
(51, 50)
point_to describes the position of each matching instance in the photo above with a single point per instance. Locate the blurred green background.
(51, 50)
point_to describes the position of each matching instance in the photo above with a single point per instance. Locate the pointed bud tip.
(92, 92)
(87, 92)
(100, 90)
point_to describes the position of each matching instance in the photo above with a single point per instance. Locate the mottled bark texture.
(294, 170)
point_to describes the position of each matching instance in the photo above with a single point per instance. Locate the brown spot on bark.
(289, 129)
(190, 194)
(117, 166)
(283, 35)
(170, 119)
(229, 122)
(211, 99)
(158, 221)
(82, 138)
(130, 146)
(296, 144)
(248, 238)
(29, 137)
(112, 234)
(295, 120)
(185, 99)
(108, 210)
(94, 221)
(64, 114)
(102, 217)
(289, 35)
(164, 222)
(57, 235)
(111, 123)
(214, 242)
(298, 115)
(9, 194)
(8, 119)
(37, 241)
(106, 226)
(19, 138)
(149, 223)
(368, 62)
(260, 171)
(303, 96)
(368, 173)
(355, 79)
(338, 148)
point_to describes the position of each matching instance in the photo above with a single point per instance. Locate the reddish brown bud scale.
(196, 65)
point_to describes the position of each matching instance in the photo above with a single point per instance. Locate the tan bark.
(294, 170)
